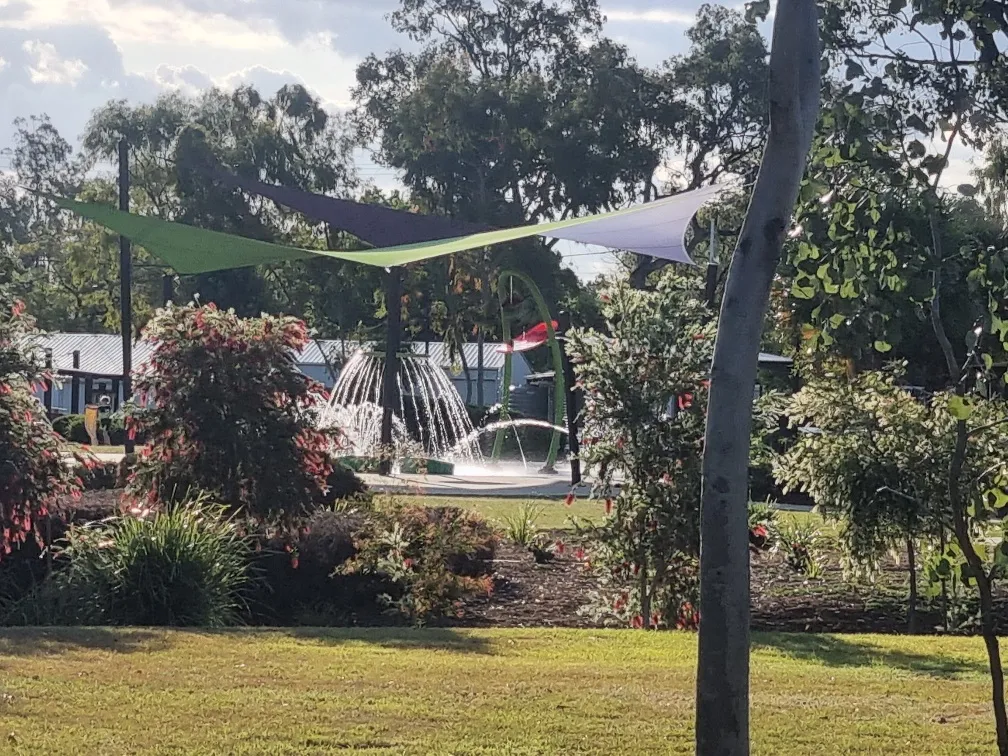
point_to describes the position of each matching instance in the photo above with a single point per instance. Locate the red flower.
(685, 401)
(655, 619)
(560, 547)
(579, 553)
(637, 622)
(608, 506)
(407, 563)
(569, 499)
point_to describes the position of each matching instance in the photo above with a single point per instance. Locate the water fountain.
(430, 422)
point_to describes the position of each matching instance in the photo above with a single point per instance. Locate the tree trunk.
(960, 522)
(960, 527)
(912, 600)
(722, 705)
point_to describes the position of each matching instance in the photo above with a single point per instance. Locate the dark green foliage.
(432, 558)
(302, 582)
(343, 483)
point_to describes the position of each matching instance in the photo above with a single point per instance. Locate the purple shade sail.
(374, 224)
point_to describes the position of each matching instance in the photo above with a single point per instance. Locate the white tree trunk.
(722, 714)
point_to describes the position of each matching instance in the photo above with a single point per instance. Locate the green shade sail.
(655, 228)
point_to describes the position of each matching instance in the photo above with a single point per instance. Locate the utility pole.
(390, 386)
(125, 284)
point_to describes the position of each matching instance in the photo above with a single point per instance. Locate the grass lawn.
(497, 692)
(554, 514)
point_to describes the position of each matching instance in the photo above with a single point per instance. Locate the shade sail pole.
(390, 387)
(125, 284)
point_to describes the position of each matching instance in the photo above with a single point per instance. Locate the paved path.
(525, 486)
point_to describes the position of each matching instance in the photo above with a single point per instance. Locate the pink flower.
(637, 622)
(560, 547)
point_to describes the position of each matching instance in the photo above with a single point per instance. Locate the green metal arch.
(559, 390)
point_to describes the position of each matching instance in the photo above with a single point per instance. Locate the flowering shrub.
(225, 410)
(434, 558)
(32, 473)
(762, 527)
(645, 386)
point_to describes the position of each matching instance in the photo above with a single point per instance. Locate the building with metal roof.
(89, 365)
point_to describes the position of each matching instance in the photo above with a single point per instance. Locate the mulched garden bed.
(534, 595)
(528, 594)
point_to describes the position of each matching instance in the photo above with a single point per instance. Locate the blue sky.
(67, 57)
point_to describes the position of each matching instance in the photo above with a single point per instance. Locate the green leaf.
(882, 346)
(960, 407)
(802, 292)
(916, 149)
(854, 70)
(988, 361)
(813, 190)
(917, 123)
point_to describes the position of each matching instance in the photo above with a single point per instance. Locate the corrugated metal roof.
(313, 353)
(101, 353)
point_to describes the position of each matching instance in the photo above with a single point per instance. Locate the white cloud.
(652, 16)
(3, 64)
(145, 20)
(49, 67)
(187, 79)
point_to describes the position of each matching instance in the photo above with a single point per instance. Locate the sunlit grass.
(474, 692)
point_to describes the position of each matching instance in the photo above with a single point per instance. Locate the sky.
(65, 58)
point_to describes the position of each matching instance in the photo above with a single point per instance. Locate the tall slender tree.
(722, 704)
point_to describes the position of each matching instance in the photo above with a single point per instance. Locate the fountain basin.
(360, 464)
(406, 465)
(425, 466)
